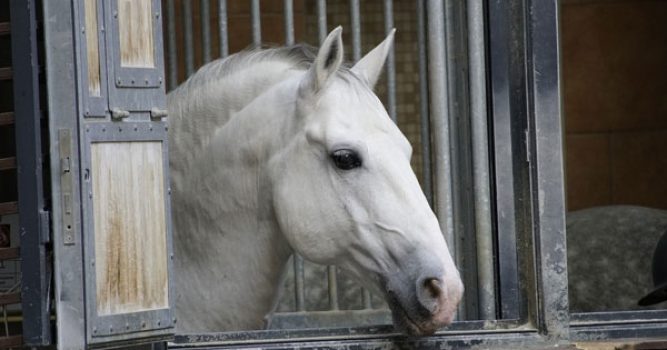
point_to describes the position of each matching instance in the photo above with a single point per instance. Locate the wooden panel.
(135, 24)
(5, 28)
(9, 253)
(9, 208)
(92, 45)
(10, 298)
(5, 73)
(130, 228)
(7, 163)
(11, 341)
(6, 118)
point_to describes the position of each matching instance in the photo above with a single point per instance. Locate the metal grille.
(434, 87)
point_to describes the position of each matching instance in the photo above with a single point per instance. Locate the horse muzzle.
(425, 305)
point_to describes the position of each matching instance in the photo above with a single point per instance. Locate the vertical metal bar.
(331, 270)
(299, 283)
(355, 23)
(480, 157)
(547, 143)
(171, 41)
(33, 220)
(322, 20)
(438, 97)
(391, 62)
(256, 21)
(288, 9)
(187, 38)
(204, 11)
(425, 131)
(299, 279)
(333, 287)
(508, 123)
(222, 28)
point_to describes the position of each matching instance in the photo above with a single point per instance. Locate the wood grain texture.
(130, 229)
(92, 45)
(135, 23)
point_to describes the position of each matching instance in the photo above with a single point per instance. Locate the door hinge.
(157, 113)
(118, 114)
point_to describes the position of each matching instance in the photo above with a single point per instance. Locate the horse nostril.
(433, 287)
(429, 293)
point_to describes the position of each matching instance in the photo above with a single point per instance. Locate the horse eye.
(345, 159)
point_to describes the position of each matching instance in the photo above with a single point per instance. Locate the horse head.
(344, 193)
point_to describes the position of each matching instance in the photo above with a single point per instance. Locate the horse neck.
(226, 209)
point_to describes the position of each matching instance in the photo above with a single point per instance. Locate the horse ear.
(328, 60)
(369, 67)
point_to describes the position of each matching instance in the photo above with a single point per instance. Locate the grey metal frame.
(133, 88)
(33, 218)
(93, 106)
(153, 324)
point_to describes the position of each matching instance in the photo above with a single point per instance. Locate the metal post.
(480, 149)
(288, 9)
(222, 28)
(33, 220)
(322, 20)
(438, 97)
(425, 131)
(204, 11)
(355, 23)
(256, 22)
(391, 63)
(187, 37)
(171, 41)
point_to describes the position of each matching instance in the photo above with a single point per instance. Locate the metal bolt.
(132, 81)
(127, 326)
(143, 324)
(118, 81)
(83, 30)
(111, 329)
(120, 129)
(104, 129)
(175, 320)
(94, 329)
(146, 81)
(158, 323)
(157, 15)
(115, 14)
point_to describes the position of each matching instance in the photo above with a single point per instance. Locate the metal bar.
(321, 20)
(425, 124)
(222, 28)
(256, 23)
(546, 143)
(355, 23)
(480, 149)
(171, 42)
(391, 62)
(205, 13)
(508, 160)
(67, 263)
(333, 287)
(439, 113)
(288, 9)
(32, 223)
(331, 270)
(5, 28)
(299, 283)
(188, 39)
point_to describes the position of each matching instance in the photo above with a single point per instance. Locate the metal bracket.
(157, 113)
(118, 114)
(65, 144)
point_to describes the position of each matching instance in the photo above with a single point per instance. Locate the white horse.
(278, 151)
